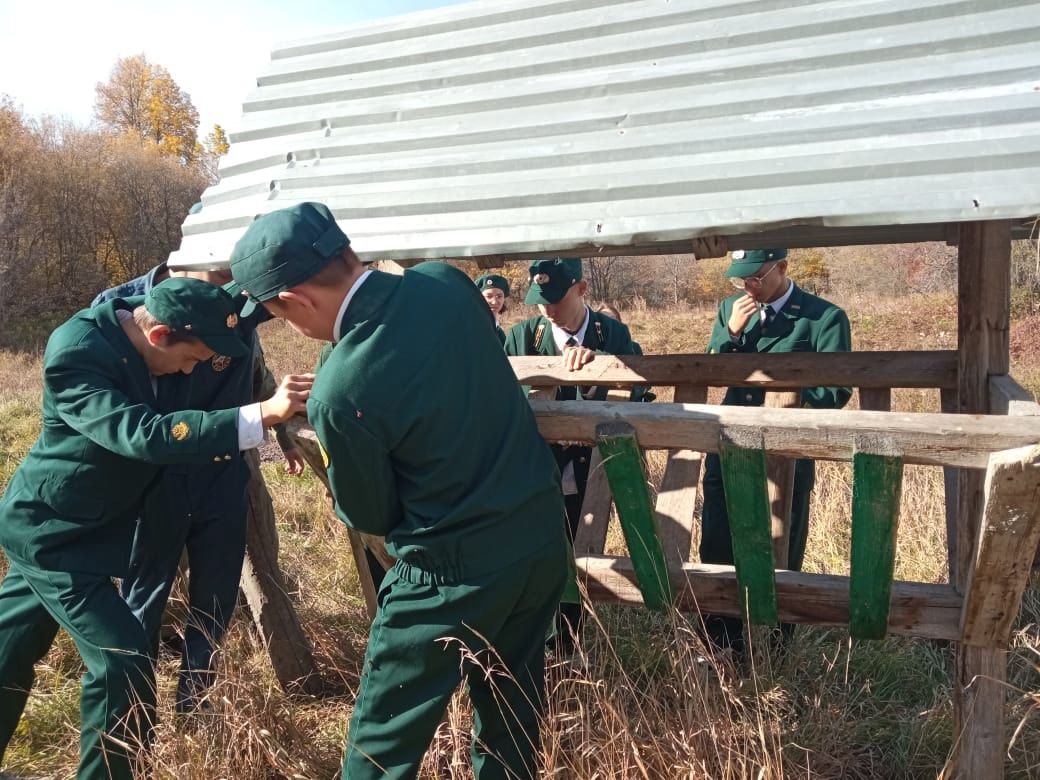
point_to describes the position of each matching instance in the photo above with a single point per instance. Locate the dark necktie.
(768, 315)
(571, 342)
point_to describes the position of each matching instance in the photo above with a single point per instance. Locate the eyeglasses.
(751, 282)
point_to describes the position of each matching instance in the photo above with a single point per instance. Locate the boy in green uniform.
(198, 508)
(430, 443)
(67, 516)
(568, 327)
(771, 315)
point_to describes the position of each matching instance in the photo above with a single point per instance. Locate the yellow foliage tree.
(809, 270)
(141, 97)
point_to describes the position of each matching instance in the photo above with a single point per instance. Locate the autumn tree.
(141, 97)
(211, 150)
(809, 270)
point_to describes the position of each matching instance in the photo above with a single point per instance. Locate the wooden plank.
(875, 399)
(1006, 396)
(780, 484)
(591, 536)
(822, 434)
(542, 393)
(876, 489)
(747, 503)
(949, 404)
(1009, 534)
(787, 371)
(677, 496)
(983, 323)
(624, 466)
(917, 609)
(270, 605)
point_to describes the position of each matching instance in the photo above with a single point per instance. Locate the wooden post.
(780, 478)
(948, 404)
(743, 458)
(624, 466)
(591, 536)
(1008, 536)
(678, 493)
(983, 321)
(273, 611)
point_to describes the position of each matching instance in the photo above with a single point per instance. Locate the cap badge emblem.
(232, 320)
(181, 431)
(540, 278)
(220, 362)
(738, 254)
(489, 283)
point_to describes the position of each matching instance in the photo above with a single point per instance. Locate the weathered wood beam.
(780, 479)
(823, 434)
(273, 611)
(1009, 534)
(1006, 396)
(786, 371)
(744, 470)
(917, 609)
(591, 536)
(876, 489)
(677, 495)
(983, 349)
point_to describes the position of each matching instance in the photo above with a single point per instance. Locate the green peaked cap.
(492, 281)
(200, 309)
(551, 279)
(747, 263)
(283, 249)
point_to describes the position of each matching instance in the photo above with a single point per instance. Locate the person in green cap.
(495, 290)
(67, 516)
(770, 314)
(431, 444)
(198, 508)
(566, 326)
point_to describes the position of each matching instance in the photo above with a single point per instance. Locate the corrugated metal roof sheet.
(536, 126)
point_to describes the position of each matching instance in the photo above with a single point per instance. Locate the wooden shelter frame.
(992, 482)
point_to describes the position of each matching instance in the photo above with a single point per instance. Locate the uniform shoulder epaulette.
(599, 333)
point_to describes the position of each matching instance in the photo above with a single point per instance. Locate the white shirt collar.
(346, 302)
(560, 336)
(778, 304)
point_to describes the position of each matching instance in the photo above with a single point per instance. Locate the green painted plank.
(624, 466)
(877, 483)
(743, 458)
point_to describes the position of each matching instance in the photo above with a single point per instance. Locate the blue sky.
(53, 53)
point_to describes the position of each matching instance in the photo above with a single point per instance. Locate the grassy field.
(637, 703)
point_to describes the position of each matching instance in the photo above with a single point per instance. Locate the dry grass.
(644, 699)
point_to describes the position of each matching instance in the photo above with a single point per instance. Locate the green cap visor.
(493, 282)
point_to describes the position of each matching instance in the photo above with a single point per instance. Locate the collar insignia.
(220, 362)
(232, 320)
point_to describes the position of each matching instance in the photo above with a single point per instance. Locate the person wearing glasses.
(770, 314)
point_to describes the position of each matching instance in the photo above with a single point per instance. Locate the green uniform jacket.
(73, 501)
(805, 324)
(430, 441)
(604, 335)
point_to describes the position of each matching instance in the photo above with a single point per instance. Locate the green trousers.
(117, 700)
(431, 632)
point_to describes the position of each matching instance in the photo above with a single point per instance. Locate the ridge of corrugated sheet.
(549, 126)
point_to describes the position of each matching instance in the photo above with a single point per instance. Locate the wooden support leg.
(983, 316)
(624, 466)
(678, 493)
(780, 477)
(273, 611)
